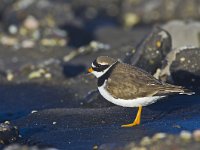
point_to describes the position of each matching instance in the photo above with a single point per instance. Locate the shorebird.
(128, 86)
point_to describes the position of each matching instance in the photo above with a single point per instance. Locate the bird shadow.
(174, 105)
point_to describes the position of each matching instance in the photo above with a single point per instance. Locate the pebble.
(158, 136)
(145, 141)
(31, 23)
(36, 74)
(182, 59)
(158, 44)
(34, 111)
(28, 44)
(196, 135)
(98, 45)
(92, 47)
(139, 148)
(131, 19)
(9, 41)
(8, 133)
(48, 75)
(7, 122)
(10, 76)
(51, 42)
(185, 135)
(95, 147)
(13, 29)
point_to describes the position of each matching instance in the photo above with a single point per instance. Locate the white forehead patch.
(103, 63)
(100, 64)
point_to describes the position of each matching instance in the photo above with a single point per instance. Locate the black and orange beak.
(90, 70)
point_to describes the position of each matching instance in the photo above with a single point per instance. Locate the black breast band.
(106, 75)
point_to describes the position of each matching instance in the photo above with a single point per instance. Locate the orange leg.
(137, 119)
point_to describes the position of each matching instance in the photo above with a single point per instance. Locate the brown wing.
(129, 82)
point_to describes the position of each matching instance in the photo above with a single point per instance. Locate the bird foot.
(136, 122)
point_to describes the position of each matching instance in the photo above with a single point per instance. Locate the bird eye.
(99, 65)
(96, 65)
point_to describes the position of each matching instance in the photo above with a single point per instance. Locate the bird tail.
(173, 89)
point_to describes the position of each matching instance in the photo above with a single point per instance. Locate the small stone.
(31, 23)
(7, 122)
(28, 44)
(185, 135)
(97, 45)
(12, 29)
(34, 111)
(145, 141)
(95, 147)
(36, 74)
(8, 133)
(158, 44)
(158, 136)
(94, 44)
(182, 59)
(48, 75)
(139, 148)
(196, 135)
(48, 42)
(9, 41)
(10, 76)
(131, 19)
(62, 42)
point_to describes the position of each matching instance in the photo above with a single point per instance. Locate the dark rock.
(181, 65)
(8, 133)
(182, 68)
(73, 70)
(78, 35)
(152, 50)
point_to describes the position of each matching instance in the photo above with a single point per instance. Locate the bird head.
(101, 65)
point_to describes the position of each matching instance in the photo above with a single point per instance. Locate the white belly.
(130, 102)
